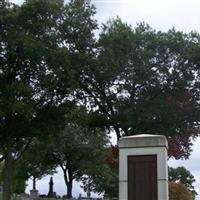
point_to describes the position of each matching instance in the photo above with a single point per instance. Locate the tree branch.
(24, 148)
(1, 158)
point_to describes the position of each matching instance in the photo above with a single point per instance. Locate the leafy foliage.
(129, 80)
(82, 154)
(19, 182)
(182, 175)
(33, 83)
(103, 178)
(177, 191)
(35, 163)
(19, 179)
(144, 81)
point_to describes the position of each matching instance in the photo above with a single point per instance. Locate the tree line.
(63, 90)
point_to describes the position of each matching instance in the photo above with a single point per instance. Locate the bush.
(178, 191)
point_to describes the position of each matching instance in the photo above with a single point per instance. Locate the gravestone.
(143, 171)
(51, 193)
(34, 194)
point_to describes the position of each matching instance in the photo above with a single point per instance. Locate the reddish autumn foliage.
(180, 142)
(179, 147)
(178, 191)
(112, 158)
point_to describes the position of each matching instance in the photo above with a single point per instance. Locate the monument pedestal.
(51, 193)
(34, 194)
(143, 170)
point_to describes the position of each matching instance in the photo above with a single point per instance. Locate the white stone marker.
(142, 145)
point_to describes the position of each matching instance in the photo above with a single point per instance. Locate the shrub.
(178, 191)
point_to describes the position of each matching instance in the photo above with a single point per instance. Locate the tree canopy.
(146, 81)
(104, 178)
(31, 79)
(78, 149)
(179, 191)
(182, 175)
(128, 80)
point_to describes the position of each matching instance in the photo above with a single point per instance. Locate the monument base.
(34, 194)
(143, 172)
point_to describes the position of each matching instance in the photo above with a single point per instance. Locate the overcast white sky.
(184, 15)
(160, 14)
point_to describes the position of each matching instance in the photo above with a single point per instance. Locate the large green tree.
(78, 149)
(145, 81)
(42, 44)
(34, 164)
(130, 81)
(34, 77)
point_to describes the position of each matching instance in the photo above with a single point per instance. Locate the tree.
(76, 150)
(34, 78)
(104, 178)
(79, 148)
(18, 176)
(112, 161)
(35, 163)
(178, 191)
(182, 175)
(145, 81)
(130, 81)
(41, 42)
(19, 180)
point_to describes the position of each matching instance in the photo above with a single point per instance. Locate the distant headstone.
(80, 197)
(51, 193)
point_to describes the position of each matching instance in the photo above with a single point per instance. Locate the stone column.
(142, 146)
(51, 193)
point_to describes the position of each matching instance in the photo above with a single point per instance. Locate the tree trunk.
(34, 183)
(69, 182)
(117, 132)
(69, 189)
(7, 175)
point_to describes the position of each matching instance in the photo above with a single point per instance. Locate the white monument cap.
(143, 140)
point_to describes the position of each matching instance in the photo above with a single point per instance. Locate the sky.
(184, 15)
